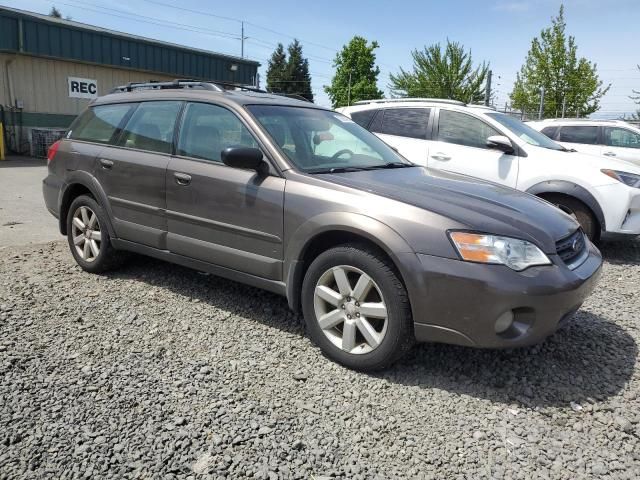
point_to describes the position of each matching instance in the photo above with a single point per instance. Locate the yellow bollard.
(2, 157)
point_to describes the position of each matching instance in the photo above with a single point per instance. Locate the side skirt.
(263, 283)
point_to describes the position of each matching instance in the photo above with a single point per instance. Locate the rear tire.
(580, 212)
(88, 236)
(355, 292)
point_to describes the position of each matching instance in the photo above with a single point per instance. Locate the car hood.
(588, 160)
(475, 204)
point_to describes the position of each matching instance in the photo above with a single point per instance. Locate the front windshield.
(525, 132)
(321, 141)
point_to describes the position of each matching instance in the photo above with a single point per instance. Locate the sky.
(496, 31)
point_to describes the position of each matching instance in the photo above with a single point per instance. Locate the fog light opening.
(504, 322)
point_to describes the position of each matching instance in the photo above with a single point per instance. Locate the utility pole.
(541, 103)
(349, 91)
(241, 39)
(487, 93)
(564, 104)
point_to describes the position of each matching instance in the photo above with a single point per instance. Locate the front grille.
(571, 248)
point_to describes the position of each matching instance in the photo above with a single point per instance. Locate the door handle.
(609, 154)
(441, 156)
(182, 178)
(106, 164)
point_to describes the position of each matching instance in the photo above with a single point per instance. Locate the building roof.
(42, 35)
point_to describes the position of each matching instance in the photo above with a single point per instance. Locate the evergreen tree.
(297, 73)
(552, 63)
(276, 70)
(356, 76)
(439, 73)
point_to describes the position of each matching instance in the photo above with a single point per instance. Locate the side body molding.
(573, 190)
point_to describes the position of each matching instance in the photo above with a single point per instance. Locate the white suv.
(602, 193)
(613, 138)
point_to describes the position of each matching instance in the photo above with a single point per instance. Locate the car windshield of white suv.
(321, 141)
(525, 132)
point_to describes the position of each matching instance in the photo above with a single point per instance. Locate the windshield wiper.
(390, 165)
(337, 170)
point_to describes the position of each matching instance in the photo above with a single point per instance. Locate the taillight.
(53, 149)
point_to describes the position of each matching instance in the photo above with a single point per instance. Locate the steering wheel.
(342, 152)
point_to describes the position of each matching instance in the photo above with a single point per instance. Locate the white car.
(602, 193)
(613, 138)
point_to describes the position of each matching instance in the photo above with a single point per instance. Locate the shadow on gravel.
(590, 358)
(622, 252)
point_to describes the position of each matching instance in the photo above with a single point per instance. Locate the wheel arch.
(326, 231)
(82, 183)
(570, 189)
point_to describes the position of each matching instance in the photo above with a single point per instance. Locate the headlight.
(512, 252)
(630, 179)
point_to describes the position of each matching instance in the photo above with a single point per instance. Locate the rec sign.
(82, 87)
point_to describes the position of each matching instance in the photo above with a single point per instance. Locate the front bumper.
(460, 302)
(621, 206)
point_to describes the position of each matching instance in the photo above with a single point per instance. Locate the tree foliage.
(288, 72)
(442, 73)
(276, 69)
(552, 63)
(54, 12)
(356, 76)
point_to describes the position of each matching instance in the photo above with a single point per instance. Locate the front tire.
(580, 212)
(88, 236)
(356, 309)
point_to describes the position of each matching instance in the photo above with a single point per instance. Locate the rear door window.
(100, 124)
(404, 122)
(208, 129)
(621, 137)
(579, 134)
(151, 127)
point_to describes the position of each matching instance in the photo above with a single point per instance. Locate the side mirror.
(243, 157)
(500, 142)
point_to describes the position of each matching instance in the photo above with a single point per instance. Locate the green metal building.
(50, 69)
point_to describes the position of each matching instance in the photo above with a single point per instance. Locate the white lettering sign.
(82, 87)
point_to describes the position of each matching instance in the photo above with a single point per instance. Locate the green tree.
(356, 76)
(276, 69)
(54, 12)
(297, 73)
(439, 73)
(552, 63)
(289, 74)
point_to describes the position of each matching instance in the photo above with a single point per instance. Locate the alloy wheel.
(350, 309)
(86, 234)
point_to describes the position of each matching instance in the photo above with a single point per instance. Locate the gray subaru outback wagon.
(283, 195)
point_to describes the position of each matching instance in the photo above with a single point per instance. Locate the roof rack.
(411, 99)
(582, 119)
(185, 83)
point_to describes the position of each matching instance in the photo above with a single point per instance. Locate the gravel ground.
(157, 371)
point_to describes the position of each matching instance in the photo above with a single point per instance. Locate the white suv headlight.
(514, 253)
(630, 179)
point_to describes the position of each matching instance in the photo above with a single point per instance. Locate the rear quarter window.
(99, 124)
(363, 117)
(550, 131)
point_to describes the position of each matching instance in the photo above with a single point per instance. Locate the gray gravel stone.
(173, 374)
